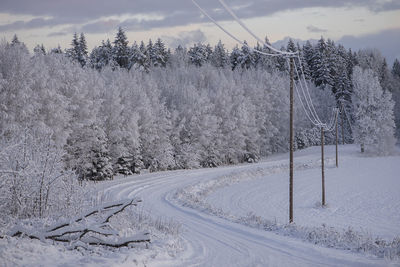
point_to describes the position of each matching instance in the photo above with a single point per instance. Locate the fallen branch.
(84, 230)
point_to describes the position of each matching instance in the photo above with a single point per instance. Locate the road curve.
(213, 241)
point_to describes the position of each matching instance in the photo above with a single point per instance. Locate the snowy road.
(213, 241)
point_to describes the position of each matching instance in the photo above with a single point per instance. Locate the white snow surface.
(363, 193)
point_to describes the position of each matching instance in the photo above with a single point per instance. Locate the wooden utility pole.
(336, 125)
(342, 121)
(322, 166)
(291, 137)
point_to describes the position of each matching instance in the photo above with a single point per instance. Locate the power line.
(310, 106)
(309, 102)
(227, 8)
(231, 35)
(308, 92)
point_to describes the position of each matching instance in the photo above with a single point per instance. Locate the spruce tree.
(160, 54)
(396, 68)
(121, 53)
(235, 57)
(82, 52)
(246, 57)
(219, 58)
(102, 56)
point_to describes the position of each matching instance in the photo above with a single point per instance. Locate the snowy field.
(364, 194)
(219, 209)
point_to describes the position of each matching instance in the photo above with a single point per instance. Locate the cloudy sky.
(355, 23)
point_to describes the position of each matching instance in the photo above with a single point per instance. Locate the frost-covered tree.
(139, 58)
(235, 56)
(219, 57)
(39, 50)
(78, 51)
(246, 60)
(198, 54)
(320, 65)
(102, 56)
(373, 112)
(396, 68)
(121, 51)
(34, 181)
(88, 153)
(160, 54)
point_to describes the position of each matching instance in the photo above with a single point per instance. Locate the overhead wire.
(307, 89)
(229, 10)
(309, 99)
(231, 35)
(310, 106)
(316, 121)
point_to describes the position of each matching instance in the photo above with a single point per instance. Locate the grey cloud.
(55, 34)
(174, 12)
(36, 23)
(185, 38)
(312, 28)
(388, 42)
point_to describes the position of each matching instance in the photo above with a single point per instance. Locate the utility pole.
(336, 125)
(291, 137)
(322, 166)
(341, 118)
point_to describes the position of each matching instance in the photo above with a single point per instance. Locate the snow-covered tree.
(78, 51)
(160, 54)
(373, 112)
(235, 56)
(396, 68)
(39, 50)
(245, 60)
(102, 56)
(198, 54)
(88, 153)
(219, 57)
(121, 51)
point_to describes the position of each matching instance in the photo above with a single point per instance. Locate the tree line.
(122, 108)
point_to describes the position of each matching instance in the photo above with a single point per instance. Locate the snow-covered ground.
(363, 193)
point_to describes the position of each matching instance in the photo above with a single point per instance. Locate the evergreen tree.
(56, 50)
(219, 58)
(121, 51)
(83, 53)
(150, 54)
(102, 56)
(39, 50)
(160, 54)
(321, 65)
(246, 57)
(235, 57)
(291, 47)
(198, 55)
(88, 153)
(139, 57)
(307, 54)
(396, 68)
(73, 52)
(15, 41)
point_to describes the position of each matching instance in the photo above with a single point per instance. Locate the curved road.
(212, 241)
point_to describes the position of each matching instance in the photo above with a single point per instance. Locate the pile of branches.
(91, 228)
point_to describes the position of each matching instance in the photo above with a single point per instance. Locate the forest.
(68, 116)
